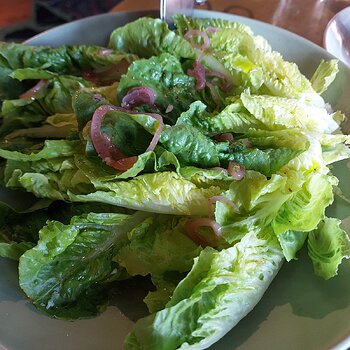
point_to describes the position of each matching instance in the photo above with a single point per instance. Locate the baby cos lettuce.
(132, 223)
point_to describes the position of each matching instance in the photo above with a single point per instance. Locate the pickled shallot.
(109, 153)
(31, 93)
(138, 96)
(192, 230)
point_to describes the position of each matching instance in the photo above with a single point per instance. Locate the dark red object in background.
(21, 19)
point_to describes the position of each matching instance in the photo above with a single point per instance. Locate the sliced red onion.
(113, 72)
(212, 29)
(92, 77)
(105, 52)
(226, 136)
(156, 135)
(121, 164)
(106, 74)
(226, 82)
(221, 199)
(217, 168)
(138, 96)
(192, 227)
(214, 94)
(102, 143)
(34, 90)
(110, 154)
(246, 142)
(198, 72)
(236, 170)
(169, 108)
(196, 32)
(97, 97)
(104, 147)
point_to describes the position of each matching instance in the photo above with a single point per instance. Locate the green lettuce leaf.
(57, 126)
(159, 247)
(47, 173)
(19, 231)
(66, 273)
(249, 60)
(278, 112)
(290, 202)
(165, 75)
(20, 114)
(291, 242)
(324, 75)
(13, 250)
(150, 192)
(267, 161)
(190, 146)
(74, 60)
(52, 149)
(156, 39)
(218, 292)
(55, 98)
(328, 245)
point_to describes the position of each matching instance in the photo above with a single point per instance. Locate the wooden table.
(307, 18)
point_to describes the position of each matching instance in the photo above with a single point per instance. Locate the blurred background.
(21, 19)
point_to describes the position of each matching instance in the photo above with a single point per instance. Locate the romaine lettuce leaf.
(291, 242)
(286, 202)
(150, 192)
(218, 292)
(156, 39)
(66, 273)
(279, 112)
(165, 75)
(19, 231)
(159, 247)
(54, 98)
(250, 61)
(57, 126)
(324, 75)
(75, 60)
(190, 146)
(328, 245)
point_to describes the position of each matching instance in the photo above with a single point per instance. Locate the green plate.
(298, 311)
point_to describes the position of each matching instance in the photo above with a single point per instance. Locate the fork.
(168, 8)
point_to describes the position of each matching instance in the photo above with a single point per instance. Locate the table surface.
(307, 18)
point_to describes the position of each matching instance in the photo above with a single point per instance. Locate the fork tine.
(170, 7)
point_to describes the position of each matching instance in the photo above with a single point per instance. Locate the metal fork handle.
(168, 8)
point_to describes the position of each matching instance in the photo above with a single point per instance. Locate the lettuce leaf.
(218, 292)
(73, 60)
(324, 75)
(250, 61)
(150, 192)
(55, 98)
(66, 273)
(57, 126)
(156, 39)
(279, 112)
(19, 231)
(159, 247)
(328, 245)
(164, 74)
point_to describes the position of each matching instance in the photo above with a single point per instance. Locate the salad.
(198, 157)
